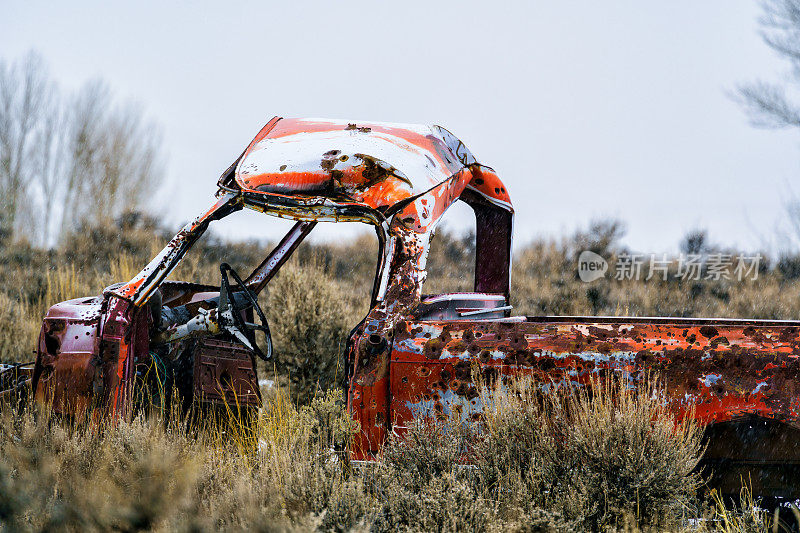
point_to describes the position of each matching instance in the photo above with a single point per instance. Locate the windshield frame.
(144, 284)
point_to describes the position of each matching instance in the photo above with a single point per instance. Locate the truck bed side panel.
(726, 369)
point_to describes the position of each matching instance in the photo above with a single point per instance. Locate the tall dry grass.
(149, 474)
(600, 456)
(612, 460)
(535, 464)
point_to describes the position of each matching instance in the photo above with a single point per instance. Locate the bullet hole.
(708, 331)
(225, 380)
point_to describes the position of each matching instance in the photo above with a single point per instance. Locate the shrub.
(58, 477)
(422, 483)
(596, 457)
(429, 450)
(331, 426)
(145, 475)
(630, 454)
(310, 318)
(534, 463)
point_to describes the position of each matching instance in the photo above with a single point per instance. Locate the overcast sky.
(586, 109)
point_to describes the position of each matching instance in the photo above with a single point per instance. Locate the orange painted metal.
(720, 370)
(373, 165)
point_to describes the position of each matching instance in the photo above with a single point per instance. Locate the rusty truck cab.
(400, 178)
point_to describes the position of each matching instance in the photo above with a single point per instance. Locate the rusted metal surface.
(273, 262)
(413, 354)
(224, 372)
(66, 362)
(724, 370)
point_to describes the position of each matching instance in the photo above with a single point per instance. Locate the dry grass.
(570, 461)
(18, 329)
(148, 475)
(744, 516)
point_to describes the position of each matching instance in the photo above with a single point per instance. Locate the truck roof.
(374, 164)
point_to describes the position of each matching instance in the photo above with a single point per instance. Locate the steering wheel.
(230, 309)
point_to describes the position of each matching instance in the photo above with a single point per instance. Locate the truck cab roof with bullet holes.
(373, 165)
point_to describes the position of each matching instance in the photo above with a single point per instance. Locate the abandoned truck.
(413, 352)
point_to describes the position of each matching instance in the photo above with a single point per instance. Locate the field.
(564, 463)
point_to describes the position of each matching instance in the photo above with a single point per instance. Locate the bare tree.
(777, 105)
(87, 111)
(50, 158)
(130, 165)
(71, 159)
(695, 242)
(23, 89)
(769, 103)
(602, 237)
(116, 158)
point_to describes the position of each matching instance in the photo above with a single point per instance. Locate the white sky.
(584, 108)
